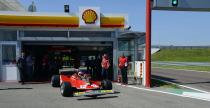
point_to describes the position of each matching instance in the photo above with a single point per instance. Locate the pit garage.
(66, 40)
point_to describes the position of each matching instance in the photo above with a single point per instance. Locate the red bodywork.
(78, 83)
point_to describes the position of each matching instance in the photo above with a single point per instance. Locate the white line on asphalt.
(182, 85)
(180, 95)
(200, 95)
(183, 70)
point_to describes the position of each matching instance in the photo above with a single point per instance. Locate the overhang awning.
(63, 20)
(112, 22)
(131, 34)
(57, 21)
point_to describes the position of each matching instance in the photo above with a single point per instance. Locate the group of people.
(98, 68)
(122, 65)
(37, 68)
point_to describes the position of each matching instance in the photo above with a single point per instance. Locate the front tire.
(106, 85)
(66, 89)
(55, 81)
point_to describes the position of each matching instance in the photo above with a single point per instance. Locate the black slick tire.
(55, 81)
(66, 89)
(106, 85)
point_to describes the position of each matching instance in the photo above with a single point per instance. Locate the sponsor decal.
(93, 85)
(83, 86)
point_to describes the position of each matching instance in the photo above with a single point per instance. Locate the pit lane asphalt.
(198, 80)
(182, 63)
(14, 95)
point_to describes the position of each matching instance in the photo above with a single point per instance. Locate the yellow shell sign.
(89, 16)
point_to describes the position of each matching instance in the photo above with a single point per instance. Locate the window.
(8, 35)
(141, 40)
(8, 54)
(44, 33)
(123, 45)
(132, 45)
(126, 45)
(90, 34)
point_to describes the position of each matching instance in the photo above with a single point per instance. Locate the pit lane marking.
(180, 95)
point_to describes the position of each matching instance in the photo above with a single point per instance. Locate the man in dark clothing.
(87, 64)
(29, 67)
(98, 67)
(21, 64)
(92, 68)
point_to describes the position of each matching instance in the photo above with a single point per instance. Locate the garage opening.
(45, 59)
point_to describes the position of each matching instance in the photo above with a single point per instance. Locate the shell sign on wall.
(89, 17)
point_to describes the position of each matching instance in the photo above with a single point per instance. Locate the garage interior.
(49, 57)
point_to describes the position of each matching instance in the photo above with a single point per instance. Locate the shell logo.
(89, 16)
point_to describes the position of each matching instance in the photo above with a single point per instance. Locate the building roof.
(11, 5)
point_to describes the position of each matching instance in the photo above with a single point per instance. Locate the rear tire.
(106, 85)
(55, 81)
(66, 89)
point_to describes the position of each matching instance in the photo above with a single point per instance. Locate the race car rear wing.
(67, 71)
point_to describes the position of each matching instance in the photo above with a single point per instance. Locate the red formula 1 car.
(75, 83)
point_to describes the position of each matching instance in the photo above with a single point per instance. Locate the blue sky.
(168, 27)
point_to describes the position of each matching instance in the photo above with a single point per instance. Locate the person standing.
(29, 66)
(87, 64)
(92, 68)
(21, 64)
(98, 67)
(45, 67)
(76, 62)
(105, 66)
(123, 64)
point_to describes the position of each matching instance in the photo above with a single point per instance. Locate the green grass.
(196, 68)
(183, 55)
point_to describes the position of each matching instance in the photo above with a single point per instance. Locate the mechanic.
(87, 64)
(98, 68)
(105, 66)
(123, 64)
(29, 67)
(92, 67)
(21, 64)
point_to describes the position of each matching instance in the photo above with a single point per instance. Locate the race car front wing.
(93, 93)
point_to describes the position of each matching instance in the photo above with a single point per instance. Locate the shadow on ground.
(38, 82)
(157, 83)
(95, 98)
(100, 97)
(18, 88)
(207, 82)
